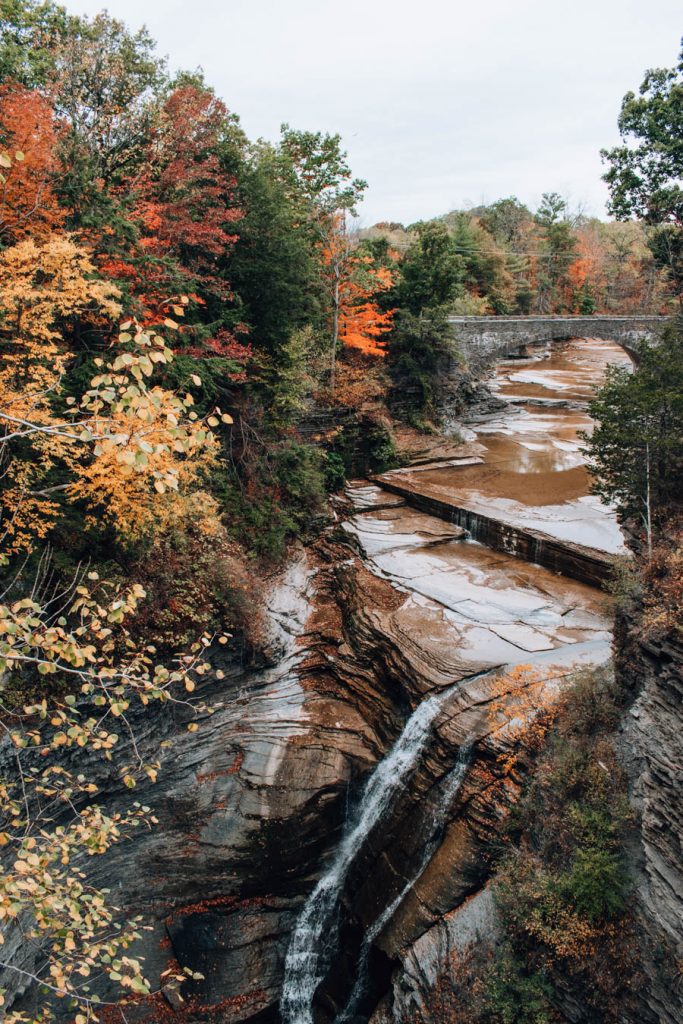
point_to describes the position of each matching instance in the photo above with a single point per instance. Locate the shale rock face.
(653, 748)
(252, 806)
(423, 963)
(248, 806)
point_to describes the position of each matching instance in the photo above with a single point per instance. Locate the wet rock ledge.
(586, 565)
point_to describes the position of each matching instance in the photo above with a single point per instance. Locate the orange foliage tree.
(358, 322)
(362, 324)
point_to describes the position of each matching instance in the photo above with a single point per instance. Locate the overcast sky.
(441, 103)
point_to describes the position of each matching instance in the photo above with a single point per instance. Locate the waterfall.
(446, 797)
(308, 954)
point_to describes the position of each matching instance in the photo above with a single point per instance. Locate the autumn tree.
(324, 177)
(41, 287)
(184, 201)
(28, 136)
(363, 325)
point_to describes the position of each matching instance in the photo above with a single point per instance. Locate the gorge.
(341, 566)
(329, 819)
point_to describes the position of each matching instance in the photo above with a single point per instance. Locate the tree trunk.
(335, 327)
(648, 503)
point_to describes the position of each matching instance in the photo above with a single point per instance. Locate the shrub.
(197, 581)
(366, 446)
(562, 887)
(596, 884)
(335, 471)
(514, 994)
(662, 581)
(274, 495)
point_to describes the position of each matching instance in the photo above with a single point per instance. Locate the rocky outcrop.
(251, 807)
(435, 957)
(427, 968)
(247, 806)
(652, 748)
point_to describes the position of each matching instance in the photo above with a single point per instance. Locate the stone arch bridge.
(485, 338)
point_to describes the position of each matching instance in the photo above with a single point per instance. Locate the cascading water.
(446, 797)
(308, 956)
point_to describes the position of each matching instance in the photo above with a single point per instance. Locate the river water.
(470, 611)
(533, 473)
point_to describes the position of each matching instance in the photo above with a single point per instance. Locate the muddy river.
(485, 605)
(470, 612)
(532, 471)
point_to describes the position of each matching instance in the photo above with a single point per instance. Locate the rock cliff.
(652, 747)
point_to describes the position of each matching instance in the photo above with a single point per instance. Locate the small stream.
(471, 611)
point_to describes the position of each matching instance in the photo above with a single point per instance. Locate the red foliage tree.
(183, 204)
(186, 204)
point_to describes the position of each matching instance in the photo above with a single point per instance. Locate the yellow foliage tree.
(42, 288)
(132, 451)
(125, 444)
(148, 448)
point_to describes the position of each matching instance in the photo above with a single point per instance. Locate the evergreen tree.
(636, 449)
(275, 268)
(431, 272)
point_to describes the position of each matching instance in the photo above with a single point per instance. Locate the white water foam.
(446, 797)
(306, 962)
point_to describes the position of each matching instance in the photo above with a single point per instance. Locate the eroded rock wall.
(652, 748)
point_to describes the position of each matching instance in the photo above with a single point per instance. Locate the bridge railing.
(643, 318)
